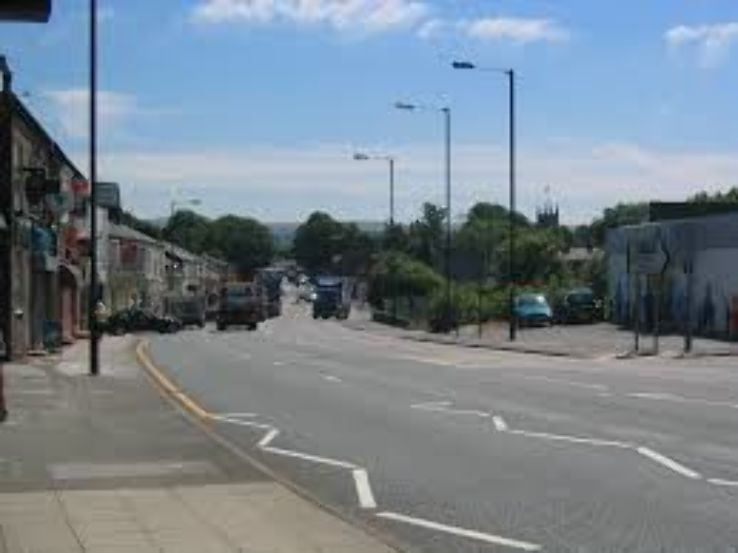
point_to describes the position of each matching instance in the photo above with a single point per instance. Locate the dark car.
(136, 319)
(578, 306)
(240, 304)
(532, 310)
(189, 310)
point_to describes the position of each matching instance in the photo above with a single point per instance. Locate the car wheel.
(221, 326)
(253, 326)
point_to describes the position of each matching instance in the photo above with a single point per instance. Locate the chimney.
(7, 75)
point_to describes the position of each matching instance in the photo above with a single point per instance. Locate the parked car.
(188, 310)
(578, 306)
(136, 319)
(532, 310)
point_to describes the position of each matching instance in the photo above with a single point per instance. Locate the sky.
(256, 107)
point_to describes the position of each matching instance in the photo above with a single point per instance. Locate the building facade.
(685, 272)
(35, 183)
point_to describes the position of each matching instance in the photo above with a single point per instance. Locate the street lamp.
(174, 203)
(510, 73)
(361, 156)
(446, 110)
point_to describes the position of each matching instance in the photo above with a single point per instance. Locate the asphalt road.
(454, 449)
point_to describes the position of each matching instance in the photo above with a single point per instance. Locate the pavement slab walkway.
(104, 465)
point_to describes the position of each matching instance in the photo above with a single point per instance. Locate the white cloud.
(433, 28)
(287, 183)
(516, 29)
(71, 109)
(713, 41)
(364, 15)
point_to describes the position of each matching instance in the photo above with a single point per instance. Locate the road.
(453, 449)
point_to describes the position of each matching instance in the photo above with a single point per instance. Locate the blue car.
(532, 310)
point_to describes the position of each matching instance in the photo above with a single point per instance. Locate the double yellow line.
(166, 384)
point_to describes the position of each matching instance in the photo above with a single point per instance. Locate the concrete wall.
(708, 246)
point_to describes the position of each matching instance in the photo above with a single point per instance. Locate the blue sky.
(255, 106)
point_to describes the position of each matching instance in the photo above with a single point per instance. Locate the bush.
(396, 274)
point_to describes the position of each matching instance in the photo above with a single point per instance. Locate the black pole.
(393, 270)
(511, 252)
(392, 192)
(447, 113)
(92, 296)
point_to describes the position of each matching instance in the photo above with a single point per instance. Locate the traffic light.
(35, 11)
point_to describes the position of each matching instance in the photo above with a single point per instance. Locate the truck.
(241, 303)
(271, 284)
(332, 297)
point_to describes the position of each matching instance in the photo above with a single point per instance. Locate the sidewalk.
(597, 341)
(105, 465)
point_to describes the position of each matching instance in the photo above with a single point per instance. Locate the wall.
(709, 245)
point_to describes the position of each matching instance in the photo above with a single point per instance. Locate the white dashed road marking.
(445, 407)
(570, 439)
(721, 482)
(331, 378)
(463, 532)
(312, 458)
(364, 489)
(268, 437)
(500, 424)
(669, 463)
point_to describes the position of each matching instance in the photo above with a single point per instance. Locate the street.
(457, 449)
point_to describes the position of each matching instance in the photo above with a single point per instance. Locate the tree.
(731, 196)
(242, 241)
(188, 230)
(318, 242)
(426, 235)
(613, 217)
(129, 219)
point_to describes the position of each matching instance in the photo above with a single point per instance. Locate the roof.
(19, 108)
(127, 233)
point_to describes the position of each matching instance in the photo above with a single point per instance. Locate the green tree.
(242, 241)
(613, 217)
(188, 230)
(730, 196)
(426, 236)
(319, 242)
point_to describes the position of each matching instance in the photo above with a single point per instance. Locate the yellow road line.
(166, 384)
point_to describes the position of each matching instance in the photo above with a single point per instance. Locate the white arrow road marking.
(669, 463)
(500, 424)
(364, 489)
(721, 482)
(463, 532)
(444, 407)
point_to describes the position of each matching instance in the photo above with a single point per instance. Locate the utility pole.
(447, 117)
(93, 293)
(511, 252)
